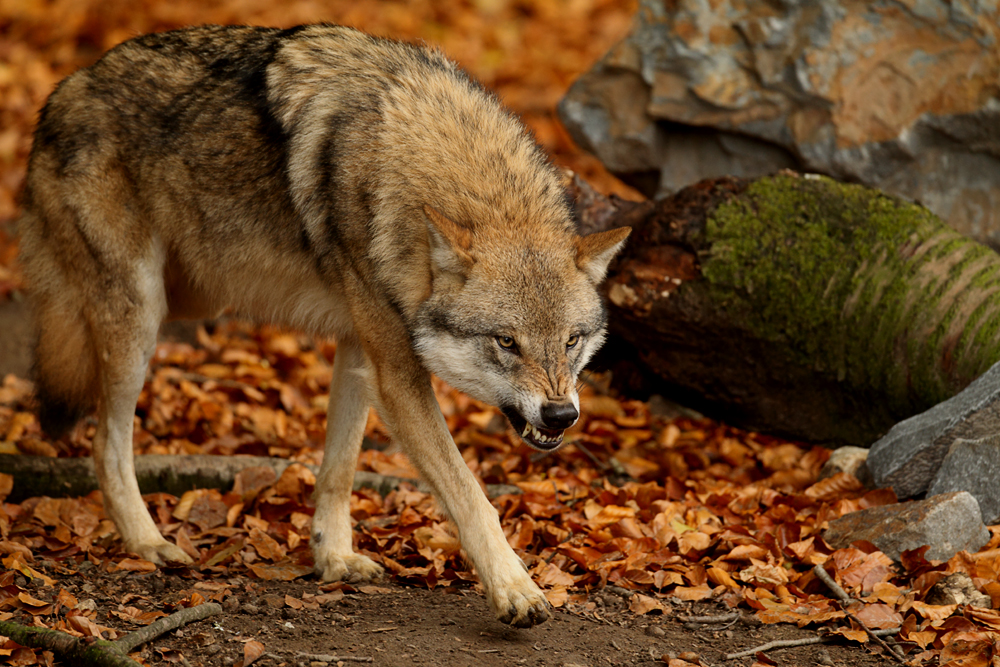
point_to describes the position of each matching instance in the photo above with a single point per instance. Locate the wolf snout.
(559, 415)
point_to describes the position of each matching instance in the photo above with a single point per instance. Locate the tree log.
(796, 305)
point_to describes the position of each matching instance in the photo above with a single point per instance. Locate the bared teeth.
(538, 436)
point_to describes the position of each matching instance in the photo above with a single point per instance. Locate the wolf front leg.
(347, 414)
(406, 403)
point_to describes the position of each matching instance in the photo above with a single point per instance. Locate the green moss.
(846, 277)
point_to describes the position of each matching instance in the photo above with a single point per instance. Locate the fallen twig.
(94, 652)
(789, 643)
(320, 657)
(176, 620)
(834, 587)
(722, 618)
(174, 474)
(846, 600)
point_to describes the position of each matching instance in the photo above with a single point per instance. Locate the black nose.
(559, 415)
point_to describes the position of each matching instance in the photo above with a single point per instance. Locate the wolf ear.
(450, 243)
(595, 251)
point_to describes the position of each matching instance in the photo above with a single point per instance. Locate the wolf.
(345, 185)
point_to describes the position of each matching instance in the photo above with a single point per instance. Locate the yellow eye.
(573, 340)
(506, 342)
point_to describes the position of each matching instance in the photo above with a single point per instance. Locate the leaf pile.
(670, 510)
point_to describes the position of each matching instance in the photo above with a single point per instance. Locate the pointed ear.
(595, 251)
(450, 243)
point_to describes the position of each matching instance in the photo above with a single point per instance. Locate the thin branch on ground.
(789, 643)
(94, 652)
(834, 587)
(320, 657)
(846, 600)
(721, 618)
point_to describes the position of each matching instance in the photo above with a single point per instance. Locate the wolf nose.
(559, 415)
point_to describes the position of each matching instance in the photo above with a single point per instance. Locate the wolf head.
(512, 320)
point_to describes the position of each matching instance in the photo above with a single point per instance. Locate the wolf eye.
(573, 340)
(506, 342)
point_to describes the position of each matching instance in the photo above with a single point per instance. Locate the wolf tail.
(65, 369)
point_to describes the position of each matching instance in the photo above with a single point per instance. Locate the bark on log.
(71, 477)
(796, 305)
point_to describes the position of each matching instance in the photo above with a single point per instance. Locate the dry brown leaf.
(934, 612)
(877, 616)
(643, 604)
(252, 650)
(284, 571)
(135, 565)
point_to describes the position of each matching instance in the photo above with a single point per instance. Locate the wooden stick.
(95, 652)
(176, 620)
(788, 643)
(846, 600)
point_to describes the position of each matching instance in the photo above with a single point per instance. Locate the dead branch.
(805, 641)
(82, 651)
(71, 477)
(846, 600)
(320, 657)
(176, 620)
(94, 652)
(722, 618)
(834, 587)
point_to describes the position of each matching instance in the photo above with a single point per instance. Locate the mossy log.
(797, 305)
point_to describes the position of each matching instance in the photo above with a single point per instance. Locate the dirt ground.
(389, 625)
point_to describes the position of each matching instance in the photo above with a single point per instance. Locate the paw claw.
(161, 553)
(523, 604)
(353, 568)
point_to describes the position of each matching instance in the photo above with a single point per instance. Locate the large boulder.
(903, 96)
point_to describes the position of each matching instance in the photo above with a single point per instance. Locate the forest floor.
(646, 516)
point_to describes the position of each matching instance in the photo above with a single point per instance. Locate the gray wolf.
(344, 185)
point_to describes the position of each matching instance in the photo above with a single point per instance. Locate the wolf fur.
(345, 185)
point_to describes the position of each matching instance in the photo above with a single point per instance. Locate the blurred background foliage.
(528, 51)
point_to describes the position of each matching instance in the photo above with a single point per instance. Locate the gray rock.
(911, 454)
(846, 459)
(973, 466)
(899, 96)
(957, 588)
(949, 523)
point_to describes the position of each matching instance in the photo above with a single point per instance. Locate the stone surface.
(957, 588)
(949, 523)
(846, 459)
(973, 466)
(903, 96)
(912, 453)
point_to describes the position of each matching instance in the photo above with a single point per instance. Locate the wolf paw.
(160, 552)
(353, 568)
(521, 604)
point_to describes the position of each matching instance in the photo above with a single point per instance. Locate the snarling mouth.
(544, 439)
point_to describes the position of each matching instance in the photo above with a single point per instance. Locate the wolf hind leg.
(331, 540)
(125, 320)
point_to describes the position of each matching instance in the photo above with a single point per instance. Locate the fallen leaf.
(252, 650)
(643, 604)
